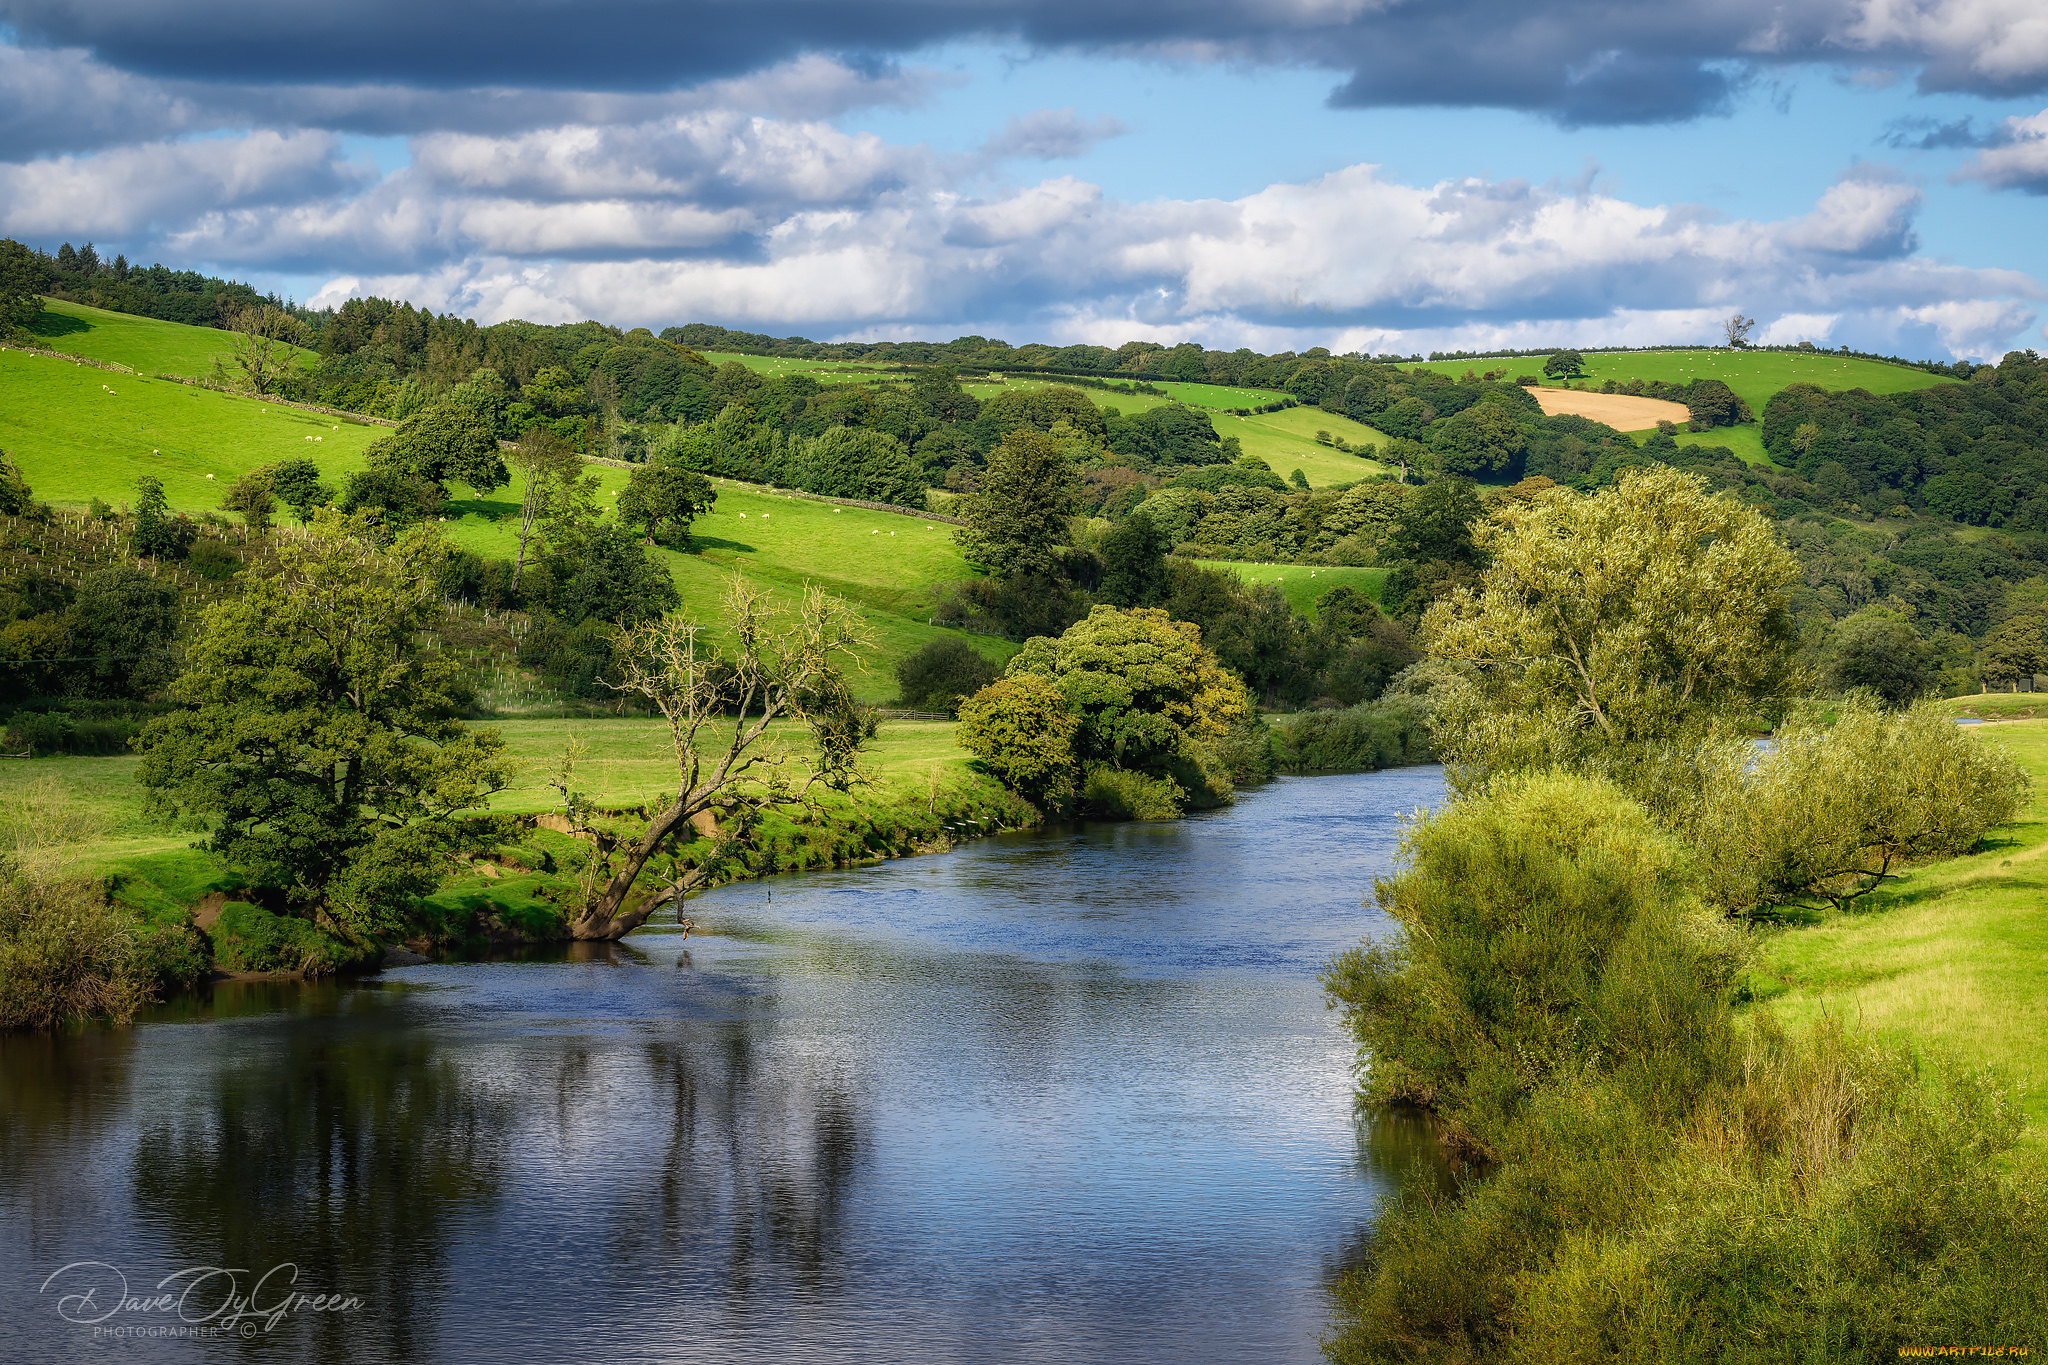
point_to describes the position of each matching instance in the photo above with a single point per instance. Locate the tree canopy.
(1605, 624)
(319, 741)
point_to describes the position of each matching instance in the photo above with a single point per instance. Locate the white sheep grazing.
(839, 509)
(209, 476)
(874, 533)
(764, 516)
(319, 438)
(743, 516)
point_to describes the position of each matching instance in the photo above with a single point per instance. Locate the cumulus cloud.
(66, 100)
(2017, 159)
(1350, 260)
(1577, 61)
(135, 191)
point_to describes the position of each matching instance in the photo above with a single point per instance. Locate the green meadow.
(1754, 375)
(1220, 396)
(145, 344)
(1302, 584)
(1286, 440)
(888, 566)
(824, 371)
(1951, 958)
(78, 433)
(622, 762)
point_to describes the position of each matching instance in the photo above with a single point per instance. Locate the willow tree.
(723, 700)
(1609, 631)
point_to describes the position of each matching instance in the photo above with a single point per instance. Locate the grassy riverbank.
(920, 795)
(1951, 959)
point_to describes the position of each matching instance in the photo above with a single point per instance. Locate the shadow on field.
(58, 325)
(702, 543)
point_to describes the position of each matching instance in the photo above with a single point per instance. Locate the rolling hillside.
(145, 345)
(1754, 375)
(79, 433)
(1285, 439)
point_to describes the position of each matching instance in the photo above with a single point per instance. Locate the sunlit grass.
(1952, 959)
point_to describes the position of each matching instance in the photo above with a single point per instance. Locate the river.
(1066, 1096)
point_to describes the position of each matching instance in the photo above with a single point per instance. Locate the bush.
(1117, 794)
(66, 956)
(212, 559)
(1023, 731)
(942, 675)
(248, 938)
(1832, 811)
(1358, 739)
(1543, 934)
(1828, 1204)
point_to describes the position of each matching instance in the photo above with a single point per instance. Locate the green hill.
(1754, 375)
(145, 345)
(1284, 439)
(79, 433)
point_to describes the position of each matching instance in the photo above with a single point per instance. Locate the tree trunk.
(616, 913)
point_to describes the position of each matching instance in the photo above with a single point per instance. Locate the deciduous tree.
(319, 741)
(1604, 626)
(661, 498)
(775, 670)
(1016, 522)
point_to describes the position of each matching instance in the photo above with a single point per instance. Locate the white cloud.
(1051, 135)
(1351, 260)
(132, 189)
(2018, 160)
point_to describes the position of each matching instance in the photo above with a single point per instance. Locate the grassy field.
(1304, 583)
(1999, 705)
(985, 389)
(1754, 375)
(888, 566)
(1952, 959)
(1220, 395)
(79, 433)
(1286, 440)
(147, 344)
(824, 371)
(624, 762)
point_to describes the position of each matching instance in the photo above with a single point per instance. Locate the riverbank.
(181, 904)
(1951, 959)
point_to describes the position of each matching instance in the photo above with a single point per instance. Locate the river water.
(1070, 1096)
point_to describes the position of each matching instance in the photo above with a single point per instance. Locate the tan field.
(1617, 410)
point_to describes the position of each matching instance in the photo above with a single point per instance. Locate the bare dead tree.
(776, 669)
(1737, 327)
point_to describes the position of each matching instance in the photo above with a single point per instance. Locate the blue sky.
(1363, 174)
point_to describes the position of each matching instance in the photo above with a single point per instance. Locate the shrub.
(1832, 811)
(943, 674)
(1834, 1202)
(248, 938)
(1543, 934)
(66, 956)
(1023, 731)
(1116, 794)
(212, 559)
(1357, 739)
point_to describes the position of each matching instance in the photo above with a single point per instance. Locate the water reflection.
(1061, 1097)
